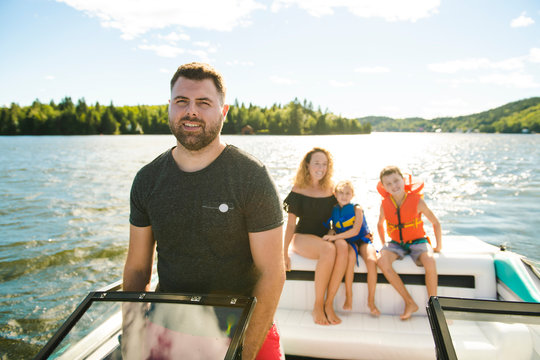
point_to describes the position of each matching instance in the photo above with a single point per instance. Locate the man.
(211, 211)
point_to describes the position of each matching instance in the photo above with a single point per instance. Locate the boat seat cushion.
(468, 274)
(465, 268)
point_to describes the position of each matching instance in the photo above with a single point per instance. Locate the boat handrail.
(115, 286)
(532, 266)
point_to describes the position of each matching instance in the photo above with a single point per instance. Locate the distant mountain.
(515, 117)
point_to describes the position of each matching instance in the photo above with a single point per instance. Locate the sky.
(355, 58)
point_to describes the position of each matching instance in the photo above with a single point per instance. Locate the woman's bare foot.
(373, 310)
(333, 319)
(348, 303)
(319, 317)
(410, 308)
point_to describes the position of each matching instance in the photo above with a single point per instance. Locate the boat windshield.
(474, 329)
(152, 326)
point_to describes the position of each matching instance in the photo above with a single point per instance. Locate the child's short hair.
(342, 185)
(389, 170)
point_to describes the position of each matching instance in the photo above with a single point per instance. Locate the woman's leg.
(349, 277)
(340, 265)
(370, 258)
(314, 247)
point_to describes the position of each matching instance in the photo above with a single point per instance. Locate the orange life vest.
(403, 223)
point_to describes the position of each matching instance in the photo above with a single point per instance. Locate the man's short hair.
(201, 71)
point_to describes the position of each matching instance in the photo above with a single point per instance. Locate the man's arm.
(140, 258)
(267, 253)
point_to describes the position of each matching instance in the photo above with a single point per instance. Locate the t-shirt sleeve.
(138, 215)
(291, 204)
(263, 210)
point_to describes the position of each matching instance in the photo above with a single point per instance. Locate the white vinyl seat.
(465, 269)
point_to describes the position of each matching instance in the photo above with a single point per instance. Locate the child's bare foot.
(333, 319)
(348, 304)
(319, 317)
(373, 310)
(410, 308)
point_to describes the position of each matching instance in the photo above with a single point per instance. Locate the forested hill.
(515, 117)
(294, 118)
(68, 118)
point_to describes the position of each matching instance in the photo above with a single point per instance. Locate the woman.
(311, 201)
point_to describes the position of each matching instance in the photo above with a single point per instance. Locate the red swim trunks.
(271, 350)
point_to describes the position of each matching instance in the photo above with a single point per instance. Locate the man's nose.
(192, 109)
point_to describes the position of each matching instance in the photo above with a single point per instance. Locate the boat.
(469, 270)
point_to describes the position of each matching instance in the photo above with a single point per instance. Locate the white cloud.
(515, 79)
(518, 80)
(163, 50)
(372, 70)
(201, 54)
(534, 55)
(166, 71)
(281, 80)
(134, 18)
(340, 84)
(522, 21)
(511, 72)
(173, 37)
(49, 77)
(452, 67)
(389, 10)
(202, 43)
(240, 63)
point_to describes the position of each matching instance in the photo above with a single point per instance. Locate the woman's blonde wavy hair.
(303, 178)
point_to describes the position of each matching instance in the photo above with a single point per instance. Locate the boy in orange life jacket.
(402, 208)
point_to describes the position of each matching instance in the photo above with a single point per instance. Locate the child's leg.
(385, 264)
(427, 260)
(370, 258)
(349, 277)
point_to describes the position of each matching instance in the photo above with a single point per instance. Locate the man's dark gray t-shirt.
(200, 220)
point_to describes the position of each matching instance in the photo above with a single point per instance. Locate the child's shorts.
(414, 248)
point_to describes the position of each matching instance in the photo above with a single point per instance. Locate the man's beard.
(191, 141)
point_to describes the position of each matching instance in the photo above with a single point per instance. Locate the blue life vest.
(343, 219)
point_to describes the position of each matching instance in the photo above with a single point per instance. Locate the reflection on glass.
(114, 330)
(494, 336)
(177, 331)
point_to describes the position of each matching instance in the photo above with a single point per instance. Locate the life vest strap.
(414, 224)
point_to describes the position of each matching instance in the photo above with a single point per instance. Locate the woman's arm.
(289, 233)
(358, 219)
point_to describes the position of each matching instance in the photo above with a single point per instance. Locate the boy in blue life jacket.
(349, 223)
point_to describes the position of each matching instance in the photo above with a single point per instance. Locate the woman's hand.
(329, 238)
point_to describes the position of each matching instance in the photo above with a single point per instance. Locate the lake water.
(65, 205)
